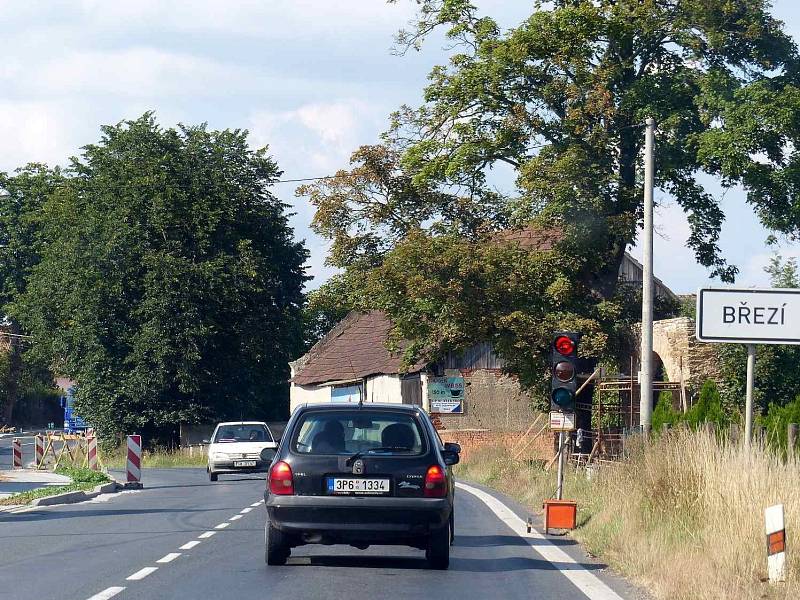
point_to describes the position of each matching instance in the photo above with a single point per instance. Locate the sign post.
(748, 316)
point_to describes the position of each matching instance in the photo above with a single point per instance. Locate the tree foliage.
(561, 98)
(169, 286)
(22, 196)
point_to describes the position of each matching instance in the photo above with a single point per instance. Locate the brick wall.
(472, 440)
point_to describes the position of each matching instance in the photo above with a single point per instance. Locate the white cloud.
(33, 132)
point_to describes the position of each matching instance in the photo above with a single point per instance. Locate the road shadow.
(458, 564)
(47, 515)
(478, 541)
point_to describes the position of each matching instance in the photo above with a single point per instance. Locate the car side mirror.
(450, 457)
(267, 454)
(452, 447)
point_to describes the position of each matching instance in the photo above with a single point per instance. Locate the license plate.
(244, 463)
(349, 485)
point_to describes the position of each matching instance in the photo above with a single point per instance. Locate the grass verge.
(684, 516)
(159, 458)
(82, 479)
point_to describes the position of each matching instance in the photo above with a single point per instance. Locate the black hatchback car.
(360, 475)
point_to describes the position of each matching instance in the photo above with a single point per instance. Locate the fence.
(56, 449)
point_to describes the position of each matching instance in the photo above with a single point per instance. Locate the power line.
(323, 177)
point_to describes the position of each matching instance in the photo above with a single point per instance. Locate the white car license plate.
(244, 463)
(349, 485)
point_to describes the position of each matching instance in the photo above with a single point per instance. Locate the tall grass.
(158, 458)
(684, 515)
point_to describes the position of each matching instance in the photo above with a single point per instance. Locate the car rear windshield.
(358, 431)
(242, 433)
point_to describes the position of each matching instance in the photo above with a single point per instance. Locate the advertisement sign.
(748, 316)
(446, 394)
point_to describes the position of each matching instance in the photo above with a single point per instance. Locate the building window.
(346, 393)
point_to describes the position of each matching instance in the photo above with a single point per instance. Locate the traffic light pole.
(560, 488)
(646, 352)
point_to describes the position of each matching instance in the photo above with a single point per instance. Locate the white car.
(240, 447)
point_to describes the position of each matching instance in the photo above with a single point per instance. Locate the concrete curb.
(79, 496)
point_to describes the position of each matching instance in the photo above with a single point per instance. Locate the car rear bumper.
(227, 466)
(332, 519)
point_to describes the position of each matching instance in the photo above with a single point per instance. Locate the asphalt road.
(183, 537)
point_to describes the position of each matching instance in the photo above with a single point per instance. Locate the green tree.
(777, 420)
(664, 414)
(22, 196)
(708, 408)
(560, 100)
(170, 286)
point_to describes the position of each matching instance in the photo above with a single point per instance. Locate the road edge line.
(586, 581)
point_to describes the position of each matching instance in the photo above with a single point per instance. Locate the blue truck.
(73, 423)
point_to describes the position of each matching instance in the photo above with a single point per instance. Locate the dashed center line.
(142, 573)
(168, 558)
(107, 593)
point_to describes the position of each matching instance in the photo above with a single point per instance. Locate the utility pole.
(646, 352)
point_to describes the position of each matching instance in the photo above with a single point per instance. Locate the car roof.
(410, 408)
(241, 423)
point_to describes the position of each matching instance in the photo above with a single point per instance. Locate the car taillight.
(280, 479)
(435, 482)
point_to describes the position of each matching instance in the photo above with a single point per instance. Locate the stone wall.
(684, 357)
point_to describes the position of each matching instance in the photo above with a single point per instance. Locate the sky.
(313, 79)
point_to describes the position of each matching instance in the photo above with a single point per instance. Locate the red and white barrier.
(16, 445)
(134, 470)
(91, 453)
(776, 543)
(39, 445)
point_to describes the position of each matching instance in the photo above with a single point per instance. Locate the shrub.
(664, 413)
(708, 408)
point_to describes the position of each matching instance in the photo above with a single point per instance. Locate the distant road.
(183, 537)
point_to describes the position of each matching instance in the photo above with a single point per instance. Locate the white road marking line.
(244, 511)
(254, 504)
(142, 573)
(235, 518)
(107, 593)
(222, 525)
(189, 545)
(584, 580)
(168, 558)
(206, 535)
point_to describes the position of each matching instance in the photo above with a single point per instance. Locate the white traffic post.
(16, 446)
(776, 543)
(134, 467)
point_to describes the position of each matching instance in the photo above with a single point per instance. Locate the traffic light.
(564, 369)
